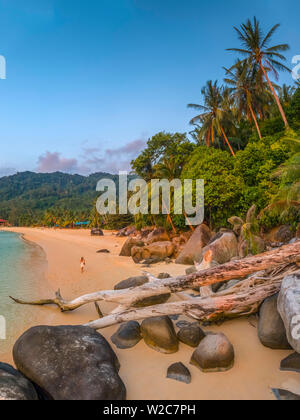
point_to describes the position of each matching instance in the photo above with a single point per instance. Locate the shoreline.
(256, 370)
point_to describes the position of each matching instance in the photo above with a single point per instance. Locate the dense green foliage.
(30, 198)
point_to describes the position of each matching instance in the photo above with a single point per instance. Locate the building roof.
(3, 221)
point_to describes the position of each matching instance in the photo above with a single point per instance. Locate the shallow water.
(22, 266)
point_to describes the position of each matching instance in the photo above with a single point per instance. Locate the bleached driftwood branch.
(240, 300)
(238, 269)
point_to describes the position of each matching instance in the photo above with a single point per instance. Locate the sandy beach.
(256, 370)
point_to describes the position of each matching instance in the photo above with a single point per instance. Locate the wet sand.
(256, 370)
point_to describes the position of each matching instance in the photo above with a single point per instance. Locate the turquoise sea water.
(22, 265)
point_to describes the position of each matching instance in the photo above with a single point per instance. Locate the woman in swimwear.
(82, 264)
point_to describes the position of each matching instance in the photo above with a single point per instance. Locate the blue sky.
(89, 81)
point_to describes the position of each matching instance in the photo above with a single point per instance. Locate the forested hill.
(29, 194)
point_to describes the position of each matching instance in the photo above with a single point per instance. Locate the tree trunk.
(255, 121)
(240, 300)
(238, 269)
(275, 96)
(229, 145)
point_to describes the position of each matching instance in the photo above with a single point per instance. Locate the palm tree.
(255, 46)
(214, 114)
(286, 94)
(243, 90)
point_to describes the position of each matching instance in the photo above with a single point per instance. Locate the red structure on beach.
(3, 222)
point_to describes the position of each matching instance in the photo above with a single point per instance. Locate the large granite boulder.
(224, 247)
(191, 335)
(128, 245)
(128, 335)
(192, 251)
(159, 334)
(160, 250)
(179, 372)
(131, 282)
(157, 235)
(69, 363)
(271, 330)
(215, 353)
(14, 386)
(289, 308)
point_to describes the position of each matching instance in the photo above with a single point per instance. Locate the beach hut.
(3, 222)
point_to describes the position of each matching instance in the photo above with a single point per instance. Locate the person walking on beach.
(82, 264)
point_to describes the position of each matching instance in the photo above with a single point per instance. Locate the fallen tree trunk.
(238, 269)
(240, 300)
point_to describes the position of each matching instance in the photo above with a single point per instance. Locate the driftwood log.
(242, 299)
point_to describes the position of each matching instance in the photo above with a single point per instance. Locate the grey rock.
(228, 284)
(139, 281)
(224, 247)
(291, 363)
(179, 372)
(156, 250)
(191, 270)
(128, 245)
(163, 276)
(97, 232)
(69, 363)
(14, 386)
(284, 395)
(215, 353)
(191, 335)
(271, 330)
(128, 335)
(183, 324)
(284, 234)
(131, 282)
(152, 300)
(157, 235)
(289, 308)
(159, 334)
(192, 251)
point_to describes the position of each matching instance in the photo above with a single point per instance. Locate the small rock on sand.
(191, 335)
(127, 336)
(179, 372)
(271, 330)
(215, 353)
(283, 395)
(131, 282)
(159, 334)
(291, 363)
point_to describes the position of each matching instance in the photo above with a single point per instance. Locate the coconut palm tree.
(242, 81)
(215, 114)
(286, 94)
(255, 47)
